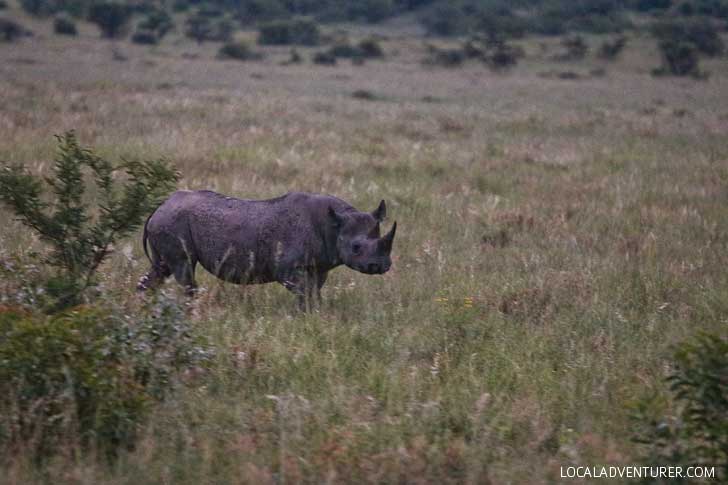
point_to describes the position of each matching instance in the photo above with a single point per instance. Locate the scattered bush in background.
(371, 49)
(695, 431)
(503, 56)
(198, 28)
(575, 47)
(144, 37)
(700, 32)
(11, 30)
(444, 57)
(610, 50)
(3, 5)
(678, 59)
(157, 21)
(324, 58)
(110, 17)
(80, 237)
(86, 377)
(297, 31)
(448, 19)
(64, 25)
(240, 51)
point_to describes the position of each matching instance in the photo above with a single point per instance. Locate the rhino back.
(239, 239)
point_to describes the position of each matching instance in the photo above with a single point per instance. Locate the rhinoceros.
(295, 240)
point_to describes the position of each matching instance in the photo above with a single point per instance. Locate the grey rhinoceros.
(295, 240)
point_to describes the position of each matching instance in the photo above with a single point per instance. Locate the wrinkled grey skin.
(294, 240)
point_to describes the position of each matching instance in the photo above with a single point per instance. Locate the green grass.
(555, 239)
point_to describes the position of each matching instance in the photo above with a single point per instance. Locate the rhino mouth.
(373, 268)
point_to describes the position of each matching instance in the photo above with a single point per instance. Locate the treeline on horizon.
(507, 18)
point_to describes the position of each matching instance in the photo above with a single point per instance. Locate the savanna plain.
(556, 237)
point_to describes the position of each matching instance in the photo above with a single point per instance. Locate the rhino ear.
(336, 219)
(380, 213)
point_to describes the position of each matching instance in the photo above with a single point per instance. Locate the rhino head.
(359, 244)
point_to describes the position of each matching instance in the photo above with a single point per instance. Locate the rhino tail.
(145, 237)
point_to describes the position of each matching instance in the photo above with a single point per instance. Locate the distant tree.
(678, 59)
(111, 17)
(11, 30)
(298, 31)
(700, 32)
(610, 50)
(198, 28)
(157, 21)
(64, 25)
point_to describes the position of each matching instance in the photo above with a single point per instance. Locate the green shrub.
(144, 37)
(345, 50)
(575, 48)
(37, 7)
(699, 32)
(80, 237)
(445, 57)
(679, 59)
(111, 17)
(503, 56)
(611, 50)
(11, 30)
(371, 49)
(198, 28)
(64, 25)
(448, 20)
(695, 433)
(298, 31)
(159, 22)
(324, 58)
(88, 375)
(240, 51)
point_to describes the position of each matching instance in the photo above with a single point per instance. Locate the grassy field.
(556, 237)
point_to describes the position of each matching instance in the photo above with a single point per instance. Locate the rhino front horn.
(388, 239)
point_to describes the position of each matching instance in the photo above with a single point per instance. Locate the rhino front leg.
(306, 285)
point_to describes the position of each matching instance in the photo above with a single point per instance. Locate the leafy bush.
(678, 59)
(198, 28)
(445, 57)
(111, 18)
(696, 432)
(37, 7)
(371, 49)
(611, 50)
(240, 51)
(298, 31)
(503, 56)
(88, 375)
(157, 21)
(145, 37)
(345, 50)
(576, 48)
(448, 20)
(64, 25)
(699, 32)
(81, 238)
(324, 58)
(11, 30)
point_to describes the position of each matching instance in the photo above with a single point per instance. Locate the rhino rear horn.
(388, 239)
(380, 212)
(335, 218)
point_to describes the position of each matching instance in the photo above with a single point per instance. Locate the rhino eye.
(356, 248)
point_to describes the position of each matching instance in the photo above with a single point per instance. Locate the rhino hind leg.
(184, 273)
(154, 278)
